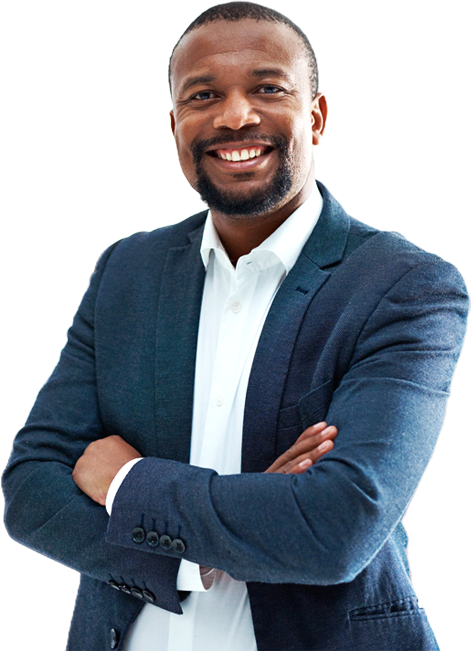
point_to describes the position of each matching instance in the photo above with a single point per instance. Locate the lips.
(243, 153)
(240, 156)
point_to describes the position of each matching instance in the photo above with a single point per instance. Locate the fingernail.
(326, 431)
(305, 463)
(324, 446)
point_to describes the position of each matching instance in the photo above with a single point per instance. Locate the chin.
(251, 204)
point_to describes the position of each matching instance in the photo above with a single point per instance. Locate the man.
(220, 342)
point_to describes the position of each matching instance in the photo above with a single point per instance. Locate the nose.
(235, 112)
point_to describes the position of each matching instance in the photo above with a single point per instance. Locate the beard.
(252, 204)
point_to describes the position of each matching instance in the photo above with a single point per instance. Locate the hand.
(101, 461)
(315, 442)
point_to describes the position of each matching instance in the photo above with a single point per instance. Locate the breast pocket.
(314, 406)
(311, 409)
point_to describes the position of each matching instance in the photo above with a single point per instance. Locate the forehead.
(226, 47)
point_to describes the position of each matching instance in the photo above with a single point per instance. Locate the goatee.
(259, 201)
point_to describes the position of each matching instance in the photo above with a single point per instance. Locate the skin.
(241, 102)
(102, 459)
(238, 80)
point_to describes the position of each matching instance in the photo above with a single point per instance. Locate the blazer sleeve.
(326, 525)
(44, 509)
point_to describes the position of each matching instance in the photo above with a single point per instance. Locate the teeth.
(243, 155)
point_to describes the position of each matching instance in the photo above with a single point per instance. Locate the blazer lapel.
(324, 248)
(177, 334)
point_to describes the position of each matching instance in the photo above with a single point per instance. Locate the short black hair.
(235, 11)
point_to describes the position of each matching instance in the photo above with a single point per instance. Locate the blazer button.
(178, 546)
(114, 584)
(153, 538)
(114, 638)
(165, 542)
(148, 595)
(125, 588)
(136, 592)
(138, 534)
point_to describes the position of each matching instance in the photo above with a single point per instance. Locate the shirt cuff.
(117, 481)
(190, 577)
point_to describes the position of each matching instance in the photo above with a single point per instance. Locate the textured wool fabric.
(233, 310)
(364, 331)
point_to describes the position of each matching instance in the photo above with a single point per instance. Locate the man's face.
(243, 116)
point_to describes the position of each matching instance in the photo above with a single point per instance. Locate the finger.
(310, 439)
(300, 467)
(310, 443)
(303, 462)
(312, 430)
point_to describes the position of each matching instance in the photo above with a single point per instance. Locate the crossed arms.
(102, 459)
(388, 409)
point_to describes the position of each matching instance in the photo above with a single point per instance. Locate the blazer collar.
(270, 366)
(328, 240)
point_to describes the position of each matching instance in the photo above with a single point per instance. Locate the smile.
(243, 156)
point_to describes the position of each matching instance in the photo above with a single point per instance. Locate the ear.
(172, 122)
(318, 117)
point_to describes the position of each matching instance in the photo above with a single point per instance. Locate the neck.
(241, 234)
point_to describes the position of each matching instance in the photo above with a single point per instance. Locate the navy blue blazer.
(364, 332)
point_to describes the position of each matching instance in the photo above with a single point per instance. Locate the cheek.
(184, 154)
(302, 143)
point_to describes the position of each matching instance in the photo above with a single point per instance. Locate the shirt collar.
(285, 243)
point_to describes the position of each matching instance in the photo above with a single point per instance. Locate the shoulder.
(386, 253)
(371, 262)
(147, 246)
(174, 235)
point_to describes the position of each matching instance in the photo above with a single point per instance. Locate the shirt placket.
(229, 362)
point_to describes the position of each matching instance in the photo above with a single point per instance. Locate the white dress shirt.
(234, 307)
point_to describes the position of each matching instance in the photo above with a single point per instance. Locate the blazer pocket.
(404, 607)
(293, 420)
(313, 407)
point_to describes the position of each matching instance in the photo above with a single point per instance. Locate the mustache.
(199, 147)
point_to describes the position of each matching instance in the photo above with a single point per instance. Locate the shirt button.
(236, 307)
(219, 400)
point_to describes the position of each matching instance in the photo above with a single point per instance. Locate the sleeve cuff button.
(178, 546)
(165, 542)
(153, 538)
(138, 535)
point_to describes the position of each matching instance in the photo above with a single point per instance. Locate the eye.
(269, 89)
(203, 95)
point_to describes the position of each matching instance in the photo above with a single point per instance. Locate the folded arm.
(325, 525)
(44, 508)
(321, 526)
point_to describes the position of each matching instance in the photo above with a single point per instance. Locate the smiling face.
(243, 119)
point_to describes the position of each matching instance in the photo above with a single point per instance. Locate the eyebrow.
(200, 79)
(269, 72)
